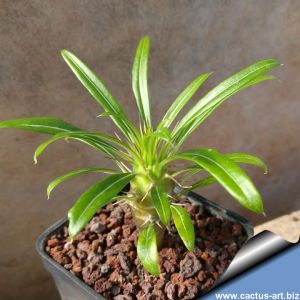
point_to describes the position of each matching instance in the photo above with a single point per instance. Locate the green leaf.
(193, 169)
(100, 93)
(248, 159)
(107, 114)
(94, 198)
(147, 250)
(54, 183)
(236, 157)
(54, 126)
(202, 183)
(184, 226)
(97, 143)
(259, 79)
(161, 203)
(182, 100)
(139, 80)
(163, 133)
(40, 124)
(228, 174)
(153, 140)
(213, 99)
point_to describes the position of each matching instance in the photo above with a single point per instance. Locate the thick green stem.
(143, 215)
(142, 207)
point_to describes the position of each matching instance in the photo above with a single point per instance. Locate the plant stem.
(142, 207)
(143, 215)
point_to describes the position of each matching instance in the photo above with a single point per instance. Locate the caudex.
(144, 154)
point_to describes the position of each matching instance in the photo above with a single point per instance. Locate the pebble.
(124, 262)
(105, 268)
(98, 228)
(189, 266)
(170, 290)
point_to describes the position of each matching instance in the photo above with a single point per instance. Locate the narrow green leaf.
(100, 93)
(161, 203)
(107, 114)
(154, 141)
(228, 174)
(182, 100)
(202, 183)
(139, 80)
(190, 168)
(259, 79)
(147, 250)
(40, 124)
(213, 99)
(97, 143)
(236, 157)
(248, 159)
(54, 183)
(94, 198)
(163, 133)
(190, 174)
(54, 126)
(184, 226)
(198, 119)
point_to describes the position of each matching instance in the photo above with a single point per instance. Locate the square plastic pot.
(72, 288)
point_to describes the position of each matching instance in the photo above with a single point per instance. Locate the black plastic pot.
(72, 288)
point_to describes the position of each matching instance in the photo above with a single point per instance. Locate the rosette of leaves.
(145, 154)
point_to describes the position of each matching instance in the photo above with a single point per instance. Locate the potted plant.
(138, 233)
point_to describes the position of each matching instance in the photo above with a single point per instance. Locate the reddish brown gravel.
(103, 255)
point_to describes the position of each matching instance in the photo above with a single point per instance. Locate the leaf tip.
(64, 52)
(146, 38)
(259, 209)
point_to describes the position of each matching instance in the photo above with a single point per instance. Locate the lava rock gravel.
(104, 256)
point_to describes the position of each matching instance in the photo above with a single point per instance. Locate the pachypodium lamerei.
(144, 154)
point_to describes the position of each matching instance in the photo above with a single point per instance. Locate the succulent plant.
(145, 154)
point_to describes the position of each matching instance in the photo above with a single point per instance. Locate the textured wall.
(188, 38)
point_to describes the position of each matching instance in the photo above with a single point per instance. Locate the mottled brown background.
(188, 38)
